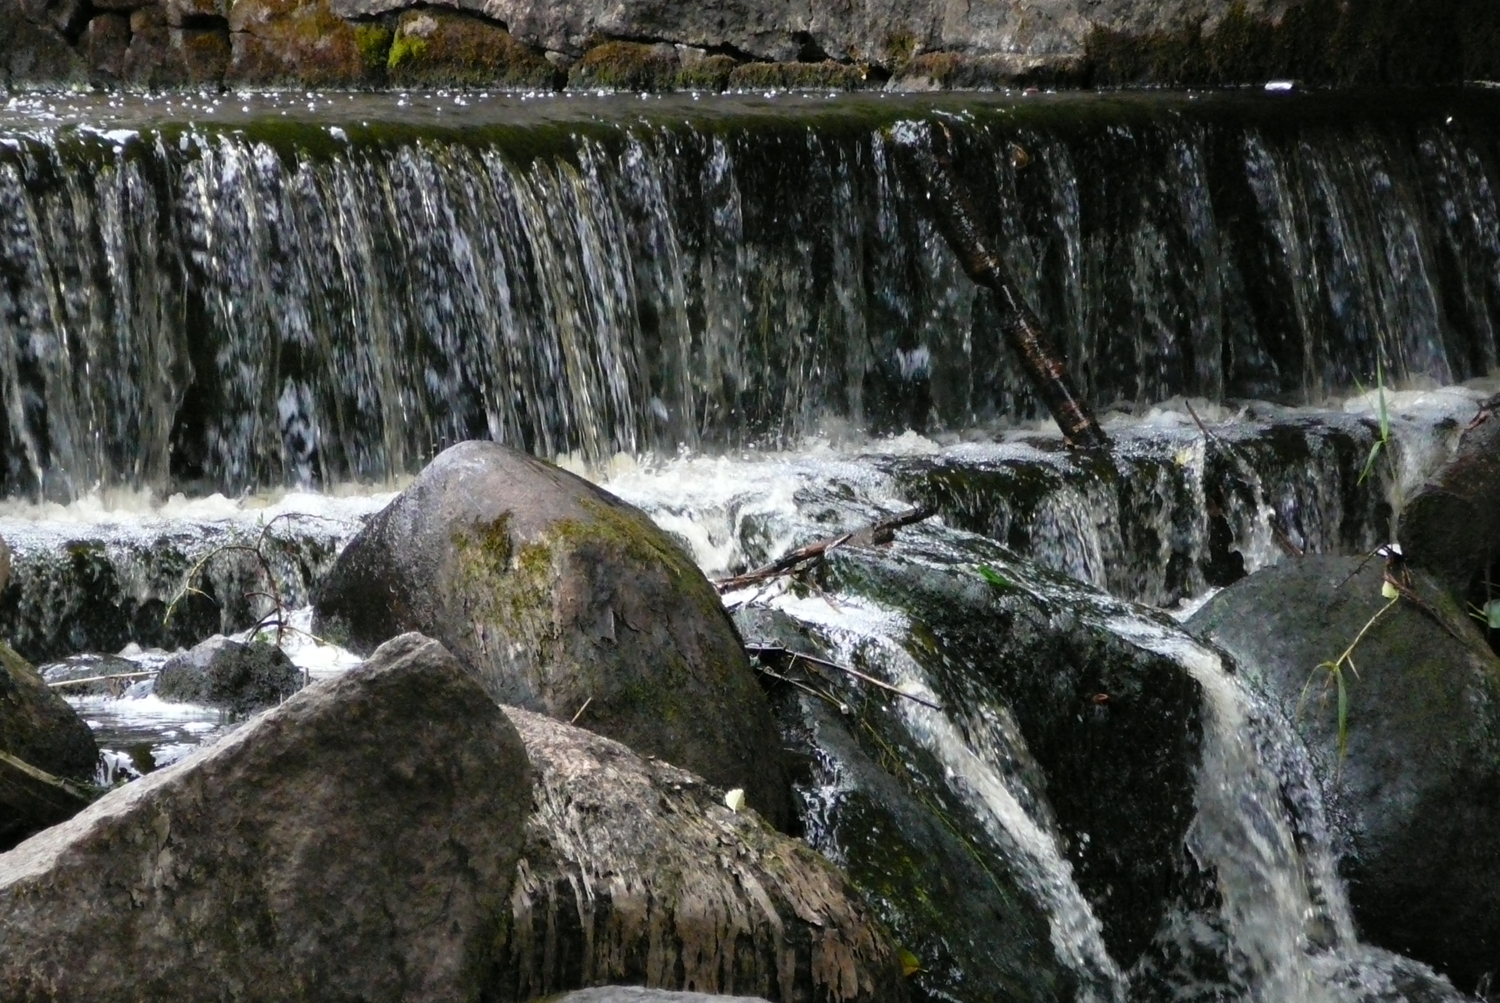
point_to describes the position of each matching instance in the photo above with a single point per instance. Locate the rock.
(91, 667)
(356, 842)
(565, 600)
(38, 728)
(301, 42)
(4, 564)
(626, 66)
(1451, 526)
(235, 677)
(36, 54)
(105, 43)
(1416, 799)
(636, 871)
(822, 75)
(915, 852)
(436, 48)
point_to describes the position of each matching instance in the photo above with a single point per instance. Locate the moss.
(626, 66)
(405, 49)
(900, 47)
(435, 48)
(374, 41)
(298, 42)
(827, 75)
(708, 74)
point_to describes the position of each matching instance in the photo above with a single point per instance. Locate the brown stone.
(296, 42)
(636, 872)
(40, 730)
(435, 48)
(105, 42)
(357, 842)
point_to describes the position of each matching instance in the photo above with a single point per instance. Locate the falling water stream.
(250, 317)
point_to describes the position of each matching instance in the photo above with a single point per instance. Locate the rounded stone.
(565, 600)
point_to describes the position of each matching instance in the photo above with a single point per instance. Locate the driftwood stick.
(783, 651)
(873, 535)
(926, 154)
(100, 679)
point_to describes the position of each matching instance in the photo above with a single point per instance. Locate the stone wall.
(717, 44)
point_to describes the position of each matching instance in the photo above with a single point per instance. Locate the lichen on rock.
(437, 48)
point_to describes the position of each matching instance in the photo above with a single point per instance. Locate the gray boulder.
(235, 677)
(4, 563)
(562, 599)
(356, 842)
(91, 674)
(44, 735)
(636, 871)
(1415, 801)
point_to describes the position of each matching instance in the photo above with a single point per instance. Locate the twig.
(781, 650)
(581, 710)
(100, 679)
(875, 534)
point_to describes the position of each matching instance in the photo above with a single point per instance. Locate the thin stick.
(581, 710)
(100, 679)
(876, 533)
(776, 649)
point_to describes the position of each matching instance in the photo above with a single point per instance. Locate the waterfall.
(196, 300)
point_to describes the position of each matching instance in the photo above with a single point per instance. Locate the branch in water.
(874, 534)
(925, 152)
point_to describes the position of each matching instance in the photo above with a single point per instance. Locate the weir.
(289, 292)
(737, 314)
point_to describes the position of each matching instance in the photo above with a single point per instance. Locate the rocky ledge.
(731, 44)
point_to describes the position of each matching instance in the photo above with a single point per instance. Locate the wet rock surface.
(235, 677)
(95, 674)
(38, 732)
(356, 842)
(878, 804)
(640, 994)
(916, 44)
(562, 599)
(637, 871)
(1415, 801)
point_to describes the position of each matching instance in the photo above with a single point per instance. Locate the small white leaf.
(1492, 611)
(735, 799)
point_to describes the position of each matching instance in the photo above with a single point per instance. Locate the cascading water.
(308, 298)
(737, 313)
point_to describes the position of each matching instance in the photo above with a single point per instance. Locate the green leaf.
(1364, 474)
(1385, 418)
(995, 578)
(909, 964)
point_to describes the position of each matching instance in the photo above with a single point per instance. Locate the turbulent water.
(237, 292)
(736, 315)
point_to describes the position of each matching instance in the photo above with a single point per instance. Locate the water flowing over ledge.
(238, 292)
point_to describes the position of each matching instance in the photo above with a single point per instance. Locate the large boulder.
(1415, 799)
(562, 599)
(235, 677)
(357, 842)
(40, 730)
(636, 871)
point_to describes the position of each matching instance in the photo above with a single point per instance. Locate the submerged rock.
(1415, 799)
(637, 871)
(356, 842)
(235, 677)
(40, 730)
(565, 600)
(96, 674)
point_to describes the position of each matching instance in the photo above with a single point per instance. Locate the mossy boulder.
(38, 728)
(708, 73)
(295, 42)
(562, 599)
(435, 48)
(635, 871)
(626, 66)
(1415, 799)
(825, 75)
